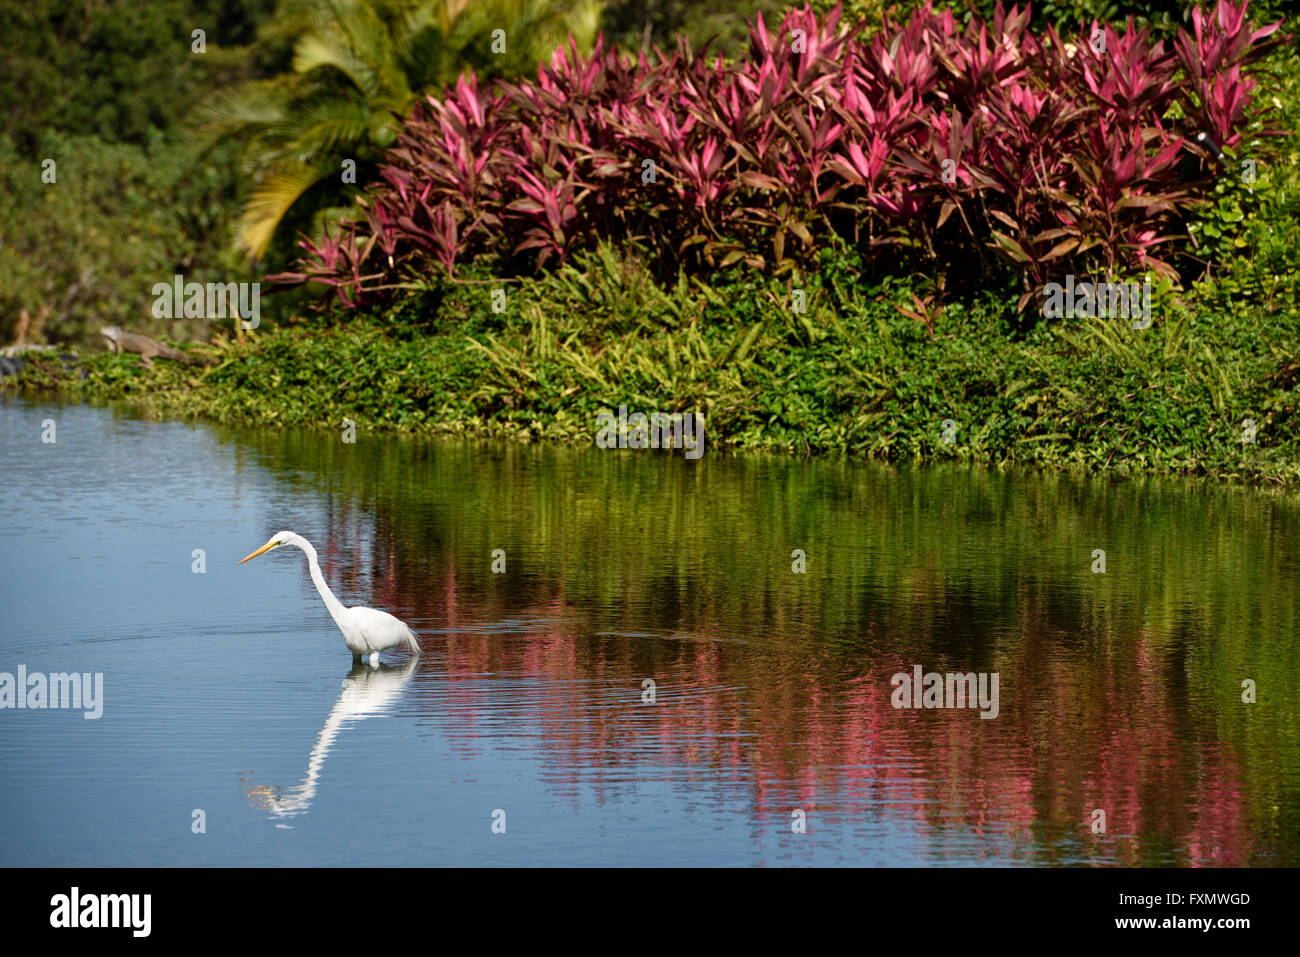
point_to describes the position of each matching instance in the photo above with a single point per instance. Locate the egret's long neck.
(333, 604)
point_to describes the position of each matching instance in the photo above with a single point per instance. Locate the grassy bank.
(853, 373)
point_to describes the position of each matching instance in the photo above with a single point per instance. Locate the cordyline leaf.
(1153, 204)
(917, 165)
(1010, 247)
(1047, 234)
(759, 180)
(1060, 249)
(526, 206)
(1004, 218)
(847, 171)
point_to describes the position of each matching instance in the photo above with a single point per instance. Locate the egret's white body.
(366, 631)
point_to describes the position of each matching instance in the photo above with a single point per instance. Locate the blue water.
(229, 692)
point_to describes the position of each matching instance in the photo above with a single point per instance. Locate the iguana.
(119, 340)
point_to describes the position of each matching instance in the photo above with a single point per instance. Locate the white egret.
(366, 631)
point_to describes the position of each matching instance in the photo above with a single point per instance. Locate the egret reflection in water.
(367, 691)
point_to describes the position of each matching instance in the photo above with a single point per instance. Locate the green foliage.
(112, 68)
(637, 24)
(1252, 224)
(97, 87)
(853, 373)
(85, 250)
(1163, 17)
(869, 13)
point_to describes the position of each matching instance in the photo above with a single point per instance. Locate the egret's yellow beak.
(265, 548)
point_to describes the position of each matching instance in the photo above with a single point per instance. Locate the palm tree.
(358, 66)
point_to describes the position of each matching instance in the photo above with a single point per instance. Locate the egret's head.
(278, 539)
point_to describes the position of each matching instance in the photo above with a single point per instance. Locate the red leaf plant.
(978, 142)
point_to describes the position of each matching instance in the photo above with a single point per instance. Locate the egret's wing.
(412, 640)
(384, 630)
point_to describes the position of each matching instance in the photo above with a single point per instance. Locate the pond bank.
(1199, 393)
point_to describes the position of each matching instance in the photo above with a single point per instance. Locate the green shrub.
(86, 250)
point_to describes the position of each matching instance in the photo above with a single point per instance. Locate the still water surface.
(230, 692)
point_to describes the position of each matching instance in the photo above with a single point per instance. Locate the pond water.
(649, 680)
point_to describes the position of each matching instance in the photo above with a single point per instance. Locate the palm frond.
(256, 104)
(270, 201)
(332, 123)
(356, 63)
(325, 49)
